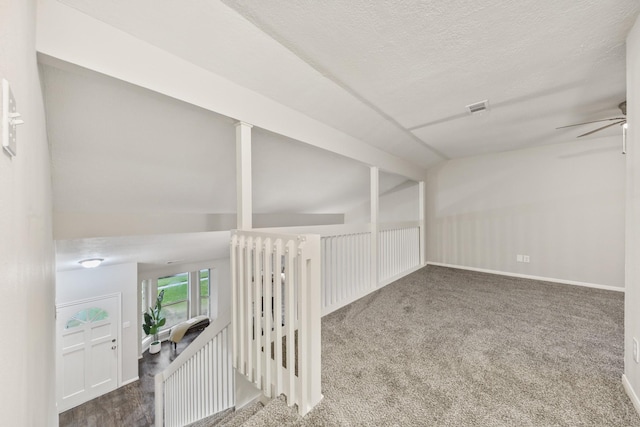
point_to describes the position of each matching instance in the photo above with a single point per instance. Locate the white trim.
(322, 230)
(529, 276)
(85, 300)
(631, 393)
(384, 226)
(132, 380)
(390, 280)
(118, 329)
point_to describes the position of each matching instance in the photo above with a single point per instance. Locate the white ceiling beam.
(66, 34)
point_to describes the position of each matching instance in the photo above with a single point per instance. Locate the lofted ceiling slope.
(399, 74)
(121, 152)
(119, 148)
(396, 75)
(215, 37)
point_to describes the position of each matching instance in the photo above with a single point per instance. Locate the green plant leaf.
(161, 322)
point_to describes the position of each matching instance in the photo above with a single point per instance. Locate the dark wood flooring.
(133, 404)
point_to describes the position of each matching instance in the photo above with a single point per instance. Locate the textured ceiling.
(214, 37)
(184, 247)
(398, 74)
(395, 74)
(541, 64)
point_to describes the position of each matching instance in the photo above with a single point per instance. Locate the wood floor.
(131, 405)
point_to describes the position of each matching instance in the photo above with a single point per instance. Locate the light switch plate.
(9, 138)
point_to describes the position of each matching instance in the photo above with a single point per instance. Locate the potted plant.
(153, 321)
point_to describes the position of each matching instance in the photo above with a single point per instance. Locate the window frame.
(165, 304)
(200, 297)
(148, 286)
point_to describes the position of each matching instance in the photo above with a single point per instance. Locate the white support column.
(375, 197)
(423, 223)
(243, 175)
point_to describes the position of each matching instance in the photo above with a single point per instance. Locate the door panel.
(74, 368)
(87, 356)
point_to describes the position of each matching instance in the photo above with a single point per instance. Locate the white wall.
(294, 220)
(400, 204)
(222, 280)
(396, 205)
(563, 205)
(632, 279)
(27, 362)
(87, 283)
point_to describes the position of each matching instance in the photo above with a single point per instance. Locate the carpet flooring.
(446, 347)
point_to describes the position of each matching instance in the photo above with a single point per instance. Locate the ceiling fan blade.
(595, 121)
(601, 128)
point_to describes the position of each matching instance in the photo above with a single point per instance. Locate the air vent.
(478, 107)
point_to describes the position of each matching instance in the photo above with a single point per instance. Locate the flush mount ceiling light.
(91, 263)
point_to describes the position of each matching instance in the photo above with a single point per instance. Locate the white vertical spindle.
(268, 312)
(289, 319)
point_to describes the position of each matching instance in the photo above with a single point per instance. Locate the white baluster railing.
(398, 250)
(276, 303)
(346, 271)
(347, 258)
(200, 381)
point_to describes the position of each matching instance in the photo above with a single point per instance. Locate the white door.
(87, 349)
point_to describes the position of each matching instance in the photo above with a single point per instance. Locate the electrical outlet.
(636, 356)
(525, 258)
(519, 258)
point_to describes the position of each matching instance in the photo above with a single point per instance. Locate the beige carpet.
(445, 347)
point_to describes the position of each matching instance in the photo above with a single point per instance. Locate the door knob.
(113, 348)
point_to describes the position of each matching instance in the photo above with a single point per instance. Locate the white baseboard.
(631, 393)
(528, 276)
(390, 280)
(129, 381)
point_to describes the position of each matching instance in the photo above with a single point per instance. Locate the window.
(186, 295)
(93, 314)
(175, 305)
(205, 284)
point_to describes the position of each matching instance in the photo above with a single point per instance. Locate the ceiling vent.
(478, 107)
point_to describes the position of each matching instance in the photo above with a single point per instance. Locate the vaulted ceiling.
(394, 74)
(398, 75)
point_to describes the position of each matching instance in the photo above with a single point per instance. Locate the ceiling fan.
(616, 121)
